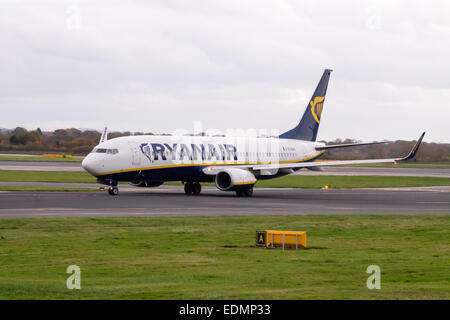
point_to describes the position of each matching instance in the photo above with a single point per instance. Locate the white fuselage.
(124, 158)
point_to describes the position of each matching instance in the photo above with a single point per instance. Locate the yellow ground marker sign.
(281, 239)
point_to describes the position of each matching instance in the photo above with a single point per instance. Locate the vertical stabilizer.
(309, 124)
(104, 136)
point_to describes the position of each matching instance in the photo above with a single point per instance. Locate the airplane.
(232, 163)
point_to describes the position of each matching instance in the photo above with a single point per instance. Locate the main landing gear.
(114, 191)
(244, 193)
(192, 188)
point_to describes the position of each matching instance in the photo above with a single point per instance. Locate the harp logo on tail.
(316, 108)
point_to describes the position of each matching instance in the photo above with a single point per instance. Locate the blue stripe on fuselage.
(188, 173)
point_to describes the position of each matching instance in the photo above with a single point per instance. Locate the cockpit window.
(107, 151)
(112, 151)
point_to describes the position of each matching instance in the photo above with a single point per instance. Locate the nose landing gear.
(113, 191)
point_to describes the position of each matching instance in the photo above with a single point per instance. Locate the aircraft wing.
(214, 169)
(333, 146)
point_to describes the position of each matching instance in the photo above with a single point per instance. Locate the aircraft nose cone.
(88, 164)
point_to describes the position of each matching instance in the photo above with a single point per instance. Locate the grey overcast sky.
(156, 66)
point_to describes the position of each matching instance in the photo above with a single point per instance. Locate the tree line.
(73, 141)
(80, 142)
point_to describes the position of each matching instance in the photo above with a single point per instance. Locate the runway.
(337, 171)
(41, 166)
(171, 201)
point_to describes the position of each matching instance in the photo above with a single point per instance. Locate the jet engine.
(146, 183)
(232, 179)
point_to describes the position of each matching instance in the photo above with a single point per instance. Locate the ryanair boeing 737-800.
(233, 163)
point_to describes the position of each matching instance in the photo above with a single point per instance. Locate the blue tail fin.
(309, 124)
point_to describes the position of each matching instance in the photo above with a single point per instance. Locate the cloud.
(161, 65)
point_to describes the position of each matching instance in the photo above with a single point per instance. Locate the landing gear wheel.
(197, 188)
(189, 188)
(114, 191)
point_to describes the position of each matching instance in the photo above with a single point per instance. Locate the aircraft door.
(135, 153)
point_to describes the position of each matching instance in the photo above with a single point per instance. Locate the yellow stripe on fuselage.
(206, 165)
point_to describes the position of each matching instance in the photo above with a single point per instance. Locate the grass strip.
(292, 181)
(215, 257)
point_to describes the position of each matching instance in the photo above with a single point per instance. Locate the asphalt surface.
(171, 201)
(41, 166)
(340, 171)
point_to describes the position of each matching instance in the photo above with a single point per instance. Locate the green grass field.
(215, 257)
(292, 181)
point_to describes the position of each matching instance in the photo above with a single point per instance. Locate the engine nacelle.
(232, 179)
(146, 183)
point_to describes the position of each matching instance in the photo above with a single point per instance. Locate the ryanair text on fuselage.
(158, 151)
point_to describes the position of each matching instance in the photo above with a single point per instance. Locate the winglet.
(413, 151)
